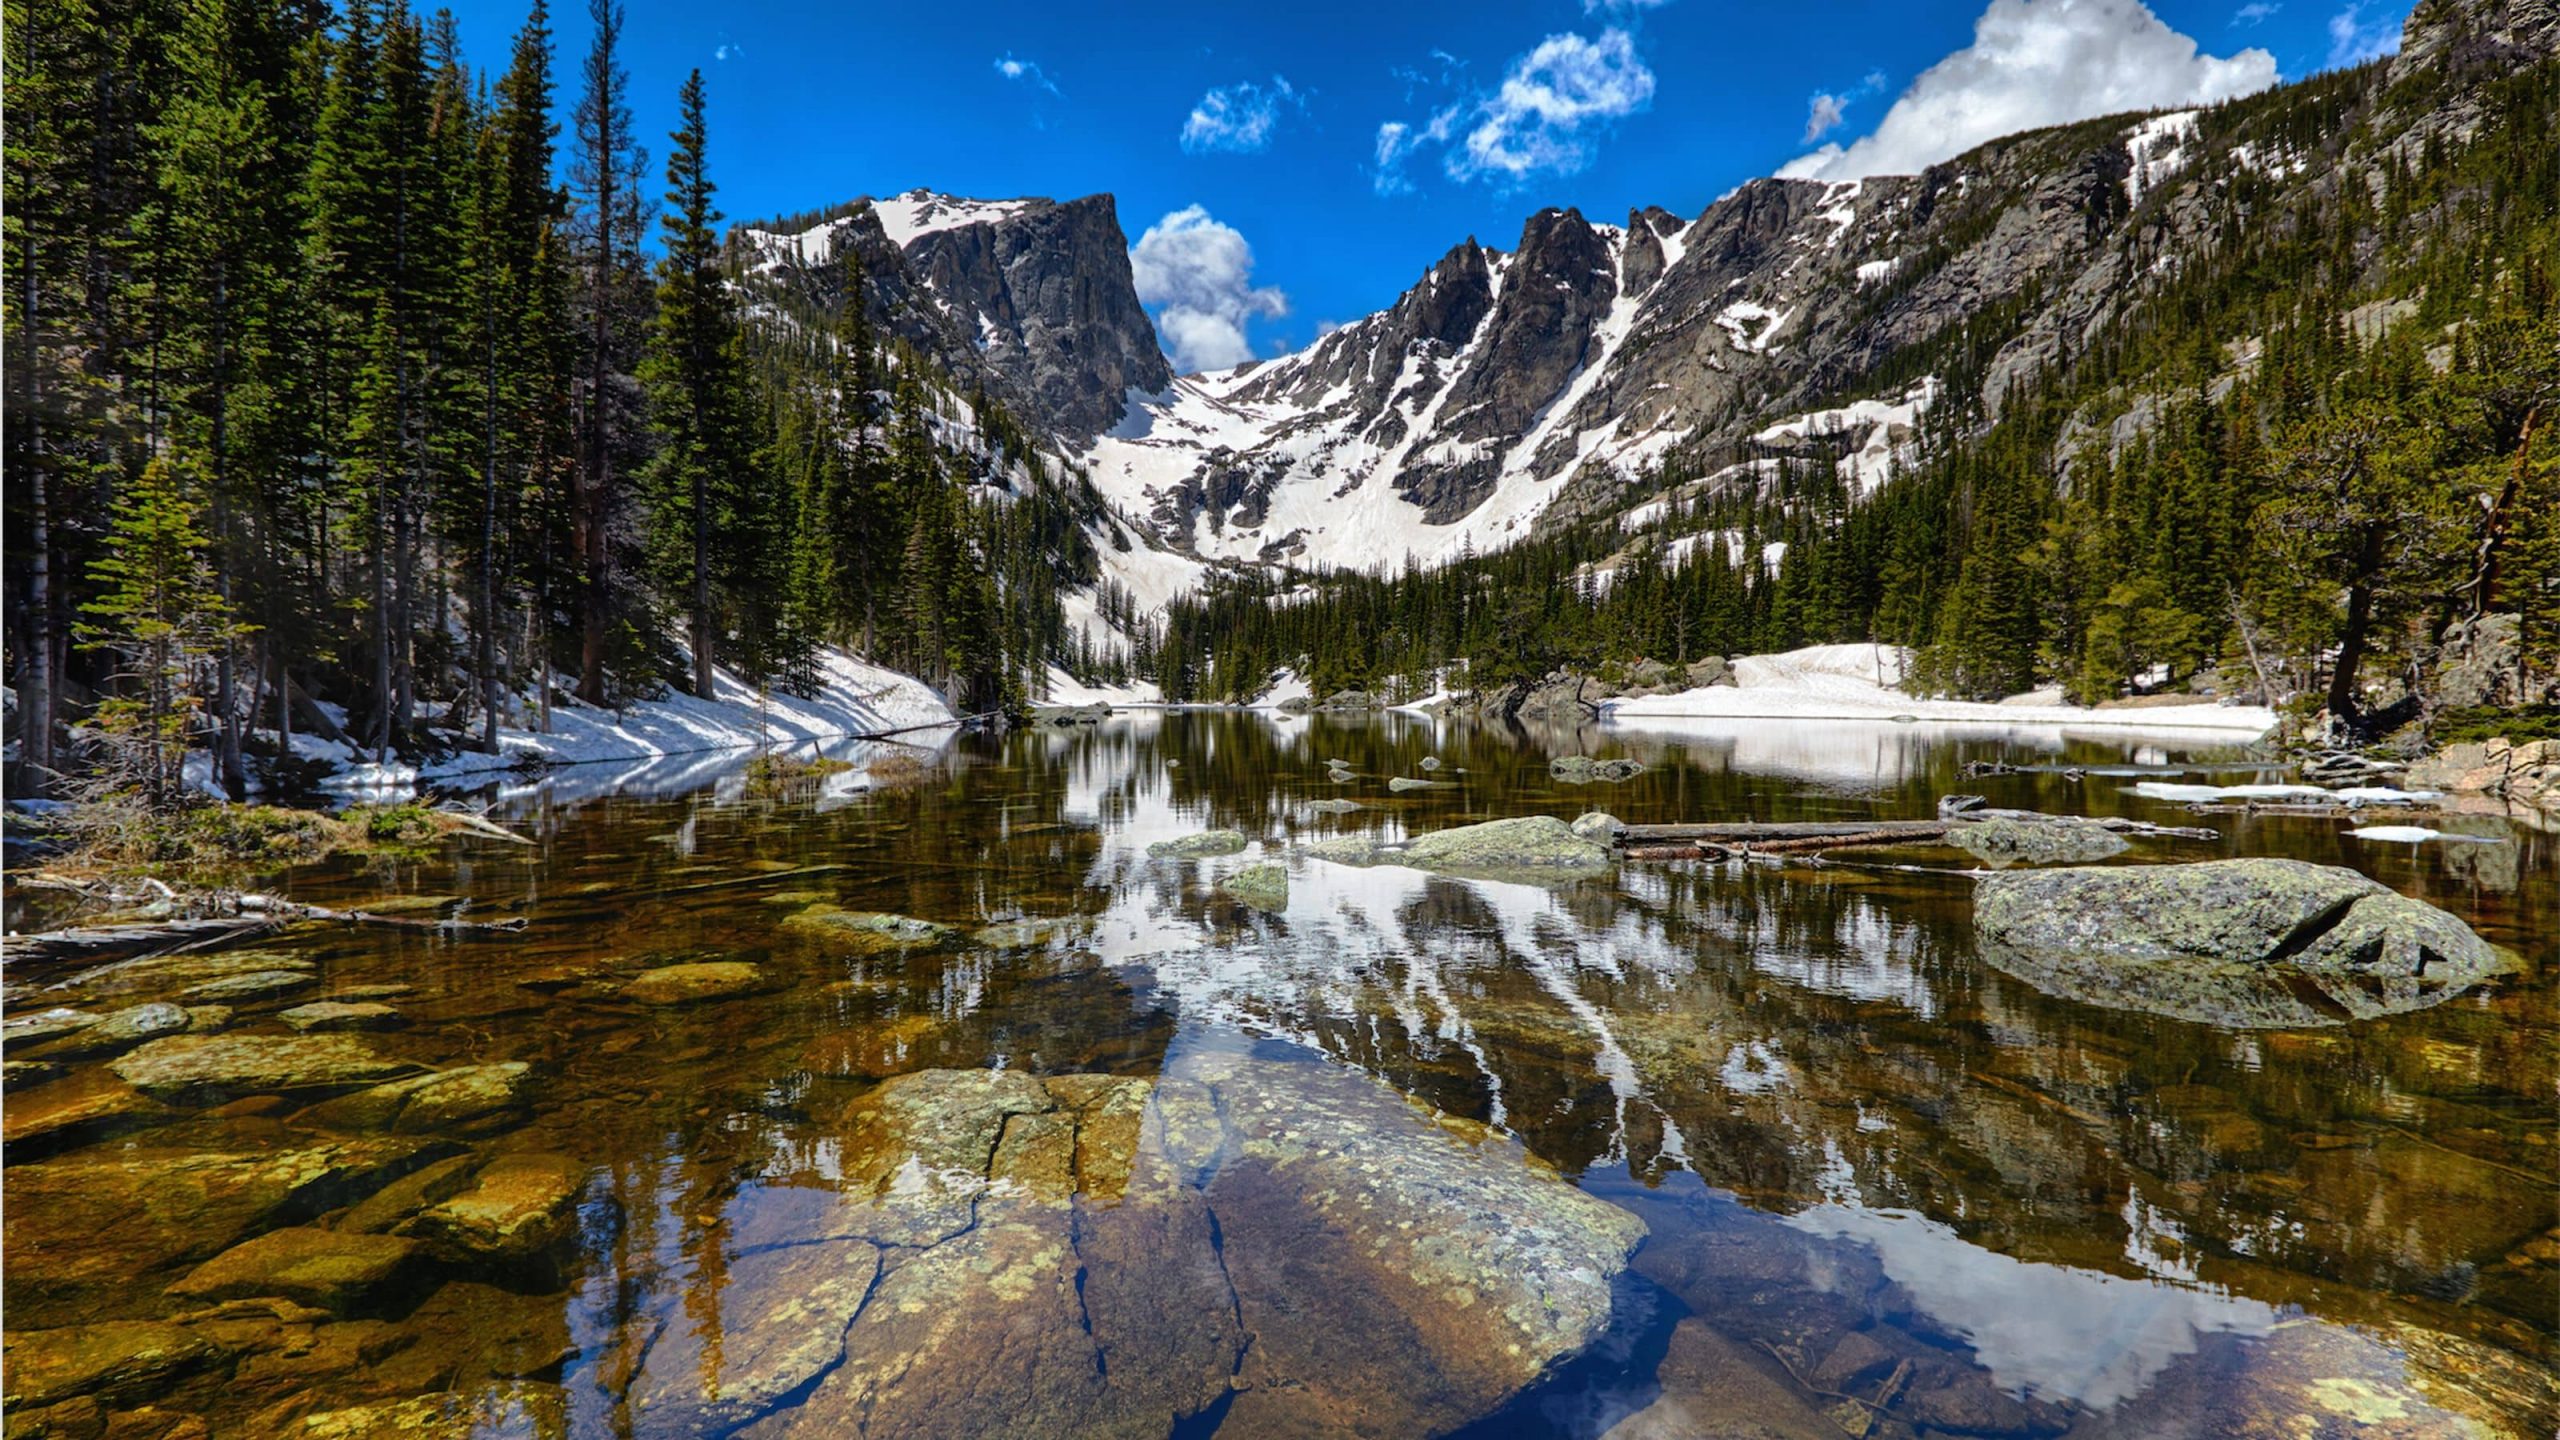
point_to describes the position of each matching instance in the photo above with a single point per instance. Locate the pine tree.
(158, 611)
(606, 171)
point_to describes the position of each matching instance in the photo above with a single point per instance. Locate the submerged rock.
(118, 1362)
(253, 985)
(1207, 842)
(333, 1269)
(126, 1028)
(694, 983)
(517, 1206)
(209, 1069)
(1334, 807)
(2056, 840)
(96, 1221)
(2231, 942)
(868, 931)
(1027, 934)
(1264, 886)
(1400, 784)
(466, 1097)
(1093, 1255)
(512, 1410)
(89, 1106)
(343, 1015)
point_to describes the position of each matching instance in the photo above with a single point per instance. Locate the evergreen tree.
(159, 613)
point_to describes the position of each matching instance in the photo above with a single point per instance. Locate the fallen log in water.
(174, 920)
(1718, 840)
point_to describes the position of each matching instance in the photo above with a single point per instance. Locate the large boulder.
(2267, 943)
(1091, 1255)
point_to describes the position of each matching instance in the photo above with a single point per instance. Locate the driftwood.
(172, 921)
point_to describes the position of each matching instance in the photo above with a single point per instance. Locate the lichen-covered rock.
(333, 1269)
(1524, 843)
(1402, 784)
(209, 1069)
(1264, 886)
(2230, 942)
(1334, 807)
(2058, 840)
(123, 1029)
(1206, 843)
(1599, 827)
(692, 984)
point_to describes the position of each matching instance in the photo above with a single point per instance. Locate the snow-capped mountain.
(1581, 372)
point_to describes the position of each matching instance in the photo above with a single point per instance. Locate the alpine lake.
(919, 1099)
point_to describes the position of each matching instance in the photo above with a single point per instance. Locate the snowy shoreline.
(855, 700)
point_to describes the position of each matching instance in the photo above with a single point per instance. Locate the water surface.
(1884, 1188)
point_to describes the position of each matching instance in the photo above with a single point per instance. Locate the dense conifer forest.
(331, 407)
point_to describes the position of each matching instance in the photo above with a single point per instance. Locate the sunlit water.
(1886, 1189)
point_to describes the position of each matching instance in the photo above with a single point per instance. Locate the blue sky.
(1303, 163)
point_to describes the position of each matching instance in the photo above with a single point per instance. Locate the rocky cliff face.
(1031, 298)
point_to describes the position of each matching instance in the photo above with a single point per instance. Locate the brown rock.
(333, 1269)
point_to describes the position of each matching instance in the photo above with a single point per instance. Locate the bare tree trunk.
(488, 599)
(2344, 702)
(35, 704)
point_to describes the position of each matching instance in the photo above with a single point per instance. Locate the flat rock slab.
(121, 1030)
(255, 985)
(517, 1206)
(333, 1269)
(343, 1015)
(2242, 943)
(465, 1097)
(96, 1221)
(210, 1069)
(116, 1362)
(90, 1105)
(695, 983)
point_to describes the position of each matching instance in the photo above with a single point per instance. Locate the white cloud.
(1620, 7)
(2034, 63)
(1197, 275)
(2353, 39)
(1826, 110)
(728, 50)
(1541, 119)
(2256, 12)
(1238, 118)
(1537, 121)
(1027, 71)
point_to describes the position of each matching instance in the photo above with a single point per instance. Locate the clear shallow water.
(1886, 1189)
